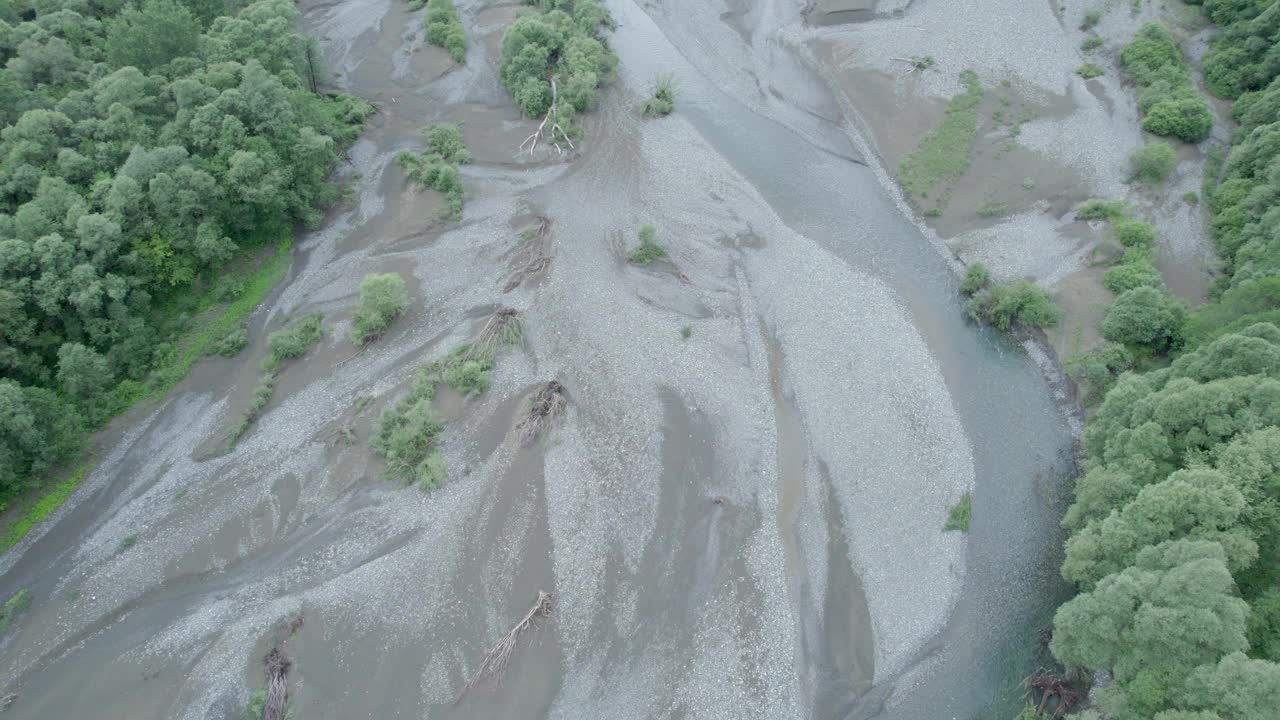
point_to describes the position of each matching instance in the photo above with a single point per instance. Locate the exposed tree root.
(494, 665)
(503, 327)
(546, 404)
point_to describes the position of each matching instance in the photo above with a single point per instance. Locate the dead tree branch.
(550, 133)
(494, 665)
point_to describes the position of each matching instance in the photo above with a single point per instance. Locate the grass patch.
(1093, 42)
(1091, 18)
(648, 250)
(444, 29)
(686, 332)
(232, 343)
(43, 507)
(959, 515)
(944, 154)
(664, 97)
(1191, 197)
(13, 607)
(128, 542)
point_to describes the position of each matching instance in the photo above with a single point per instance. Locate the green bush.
(292, 341)
(1134, 233)
(1093, 42)
(648, 250)
(1172, 106)
(1152, 162)
(1005, 304)
(437, 168)
(958, 516)
(1095, 209)
(664, 97)
(975, 278)
(232, 343)
(444, 29)
(1090, 70)
(1145, 316)
(1129, 275)
(1091, 18)
(12, 608)
(1100, 368)
(407, 433)
(382, 298)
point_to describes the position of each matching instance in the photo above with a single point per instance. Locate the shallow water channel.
(746, 522)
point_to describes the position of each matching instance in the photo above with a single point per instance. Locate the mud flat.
(743, 522)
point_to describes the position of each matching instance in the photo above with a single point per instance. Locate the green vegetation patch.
(12, 608)
(1168, 99)
(382, 299)
(1090, 70)
(1005, 304)
(944, 154)
(648, 250)
(560, 45)
(292, 341)
(1152, 162)
(444, 29)
(959, 514)
(664, 97)
(437, 167)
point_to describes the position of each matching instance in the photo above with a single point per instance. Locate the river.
(746, 522)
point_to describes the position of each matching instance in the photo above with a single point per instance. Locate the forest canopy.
(144, 145)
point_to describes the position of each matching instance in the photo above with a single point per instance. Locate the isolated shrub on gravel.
(975, 278)
(382, 298)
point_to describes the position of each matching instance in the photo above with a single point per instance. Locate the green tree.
(1152, 624)
(82, 373)
(1145, 316)
(1236, 688)
(151, 34)
(1197, 504)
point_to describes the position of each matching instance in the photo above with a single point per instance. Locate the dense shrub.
(562, 44)
(1134, 233)
(1133, 273)
(1171, 105)
(1152, 162)
(444, 29)
(382, 298)
(1090, 70)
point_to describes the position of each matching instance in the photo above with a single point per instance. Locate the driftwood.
(494, 665)
(533, 254)
(503, 326)
(276, 664)
(532, 140)
(546, 404)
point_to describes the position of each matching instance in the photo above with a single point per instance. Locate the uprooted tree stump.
(494, 665)
(1056, 692)
(547, 403)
